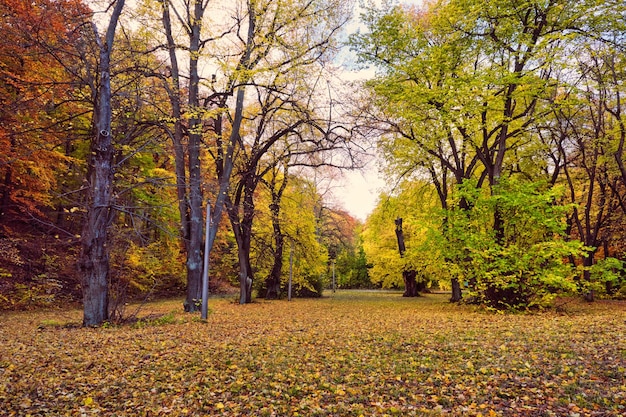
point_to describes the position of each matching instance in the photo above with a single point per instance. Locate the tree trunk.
(189, 199)
(242, 229)
(6, 193)
(400, 237)
(246, 229)
(196, 242)
(177, 136)
(498, 225)
(225, 169)
(94, 257)
(245, 274)
(408, 275)
(410, 284)
(272, 283)
(589, 295)
(456, 291)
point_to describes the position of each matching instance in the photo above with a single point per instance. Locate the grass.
(348, 354)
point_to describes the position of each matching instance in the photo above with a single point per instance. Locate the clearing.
(348, 354)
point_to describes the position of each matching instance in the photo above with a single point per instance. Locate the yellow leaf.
(219, 406)
(88, 402)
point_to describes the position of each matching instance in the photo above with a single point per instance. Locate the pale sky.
(357, 191)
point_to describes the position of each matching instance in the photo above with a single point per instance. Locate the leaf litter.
(349, 354)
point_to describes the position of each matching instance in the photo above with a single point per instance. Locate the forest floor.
(347, 354)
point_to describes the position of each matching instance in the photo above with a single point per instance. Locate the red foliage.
(36, 38)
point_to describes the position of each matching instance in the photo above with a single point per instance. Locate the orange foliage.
(33, 82)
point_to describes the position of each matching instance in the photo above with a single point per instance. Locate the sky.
(359, 190)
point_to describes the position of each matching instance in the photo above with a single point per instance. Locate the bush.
(607, 278)
(524, 265)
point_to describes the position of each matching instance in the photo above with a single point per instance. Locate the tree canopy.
(499, 127)
(470, 96)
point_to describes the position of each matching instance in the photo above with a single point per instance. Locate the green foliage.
(352, 268)
(528, 266)
(158, 320)
(608, 277)
(468, 90)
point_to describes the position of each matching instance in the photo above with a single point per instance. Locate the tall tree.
(415, 201)
(189, 116)
(281, 118)
(276, 183)
(463, 85)
(187, 138)
(589, 139)
(94, 257)
(283, 74)
(408, 274)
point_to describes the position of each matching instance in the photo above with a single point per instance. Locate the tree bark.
(272, 283)
(6, 193)
(189, 194)
(177, 135)
(588, 262)
(241, 215)
(456, 291)
(408, 275)
(196, 241)
(94, 257)
(410, 284)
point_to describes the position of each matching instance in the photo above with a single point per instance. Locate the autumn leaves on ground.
(348, 354)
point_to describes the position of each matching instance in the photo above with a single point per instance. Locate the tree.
(63, 84)
(34, 90)
(588, 139)
(36, 110)
(276, 183)
(463, 87)
(298, 223)
(94, 257)
(187, 161)
(339, 233)
(420, 256)
(353, 265)
(280, 118)
(262, 42)
(283, 75)
(408, 275)
(527, 266)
